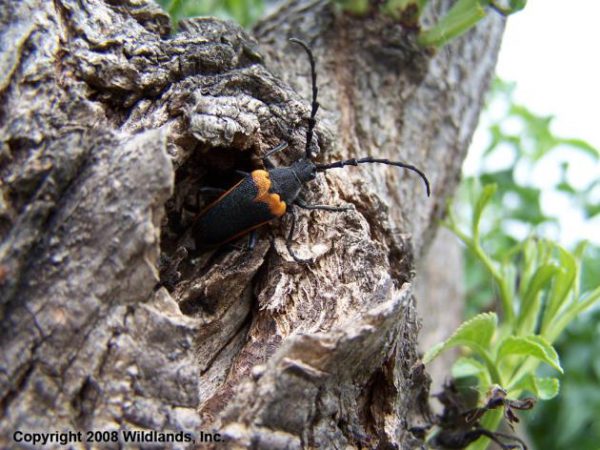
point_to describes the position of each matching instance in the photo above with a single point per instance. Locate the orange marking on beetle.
(263, 182)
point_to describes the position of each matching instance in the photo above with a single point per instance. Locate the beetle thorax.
(304, 170)
(288, 181)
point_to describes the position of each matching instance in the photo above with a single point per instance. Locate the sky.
(550, 49)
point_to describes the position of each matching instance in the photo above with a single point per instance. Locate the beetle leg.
(188, 211)
(245, 249)
(252, 239)
(303, 205)
(265, 159)
(288, 242)
(268, 163)
(276, 149)
(211, 190)
(242, 173)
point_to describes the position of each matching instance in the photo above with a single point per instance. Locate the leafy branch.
(539, 296)
(245, 12)
(460, 18)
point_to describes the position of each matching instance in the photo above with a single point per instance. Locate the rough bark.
(108, 127)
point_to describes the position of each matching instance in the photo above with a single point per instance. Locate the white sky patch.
(551, 50)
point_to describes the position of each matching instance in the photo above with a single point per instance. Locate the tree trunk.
(108, 128)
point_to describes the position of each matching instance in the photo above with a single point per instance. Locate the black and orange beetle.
(265, 195)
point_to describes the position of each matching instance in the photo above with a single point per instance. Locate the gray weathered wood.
(107, 121)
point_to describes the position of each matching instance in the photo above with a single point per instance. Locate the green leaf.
(541, 280)
(509, 274)
(467, 367)
(530, 304)
(517, 5)
(562, 286)
(485, 196)
(528, 266)
(408, 11)
(358, 7)
(533, 346)
(246, 12)
(470, 367)
(476, 334)
(588, 300)
(529, 207)
(567, 188)
(524, 383)
(542, 388)
(538, 129)
(513, 6)
(547, 387)
(463, 15)
(591, 209)
(588, 258)
(581, 145)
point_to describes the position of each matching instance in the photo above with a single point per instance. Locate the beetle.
(265, 195)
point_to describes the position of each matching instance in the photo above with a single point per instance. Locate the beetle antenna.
(356, 162)
(315, 90)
